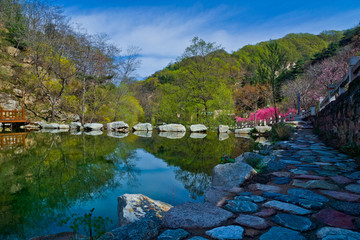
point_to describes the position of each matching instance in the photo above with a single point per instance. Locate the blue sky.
(163, 29)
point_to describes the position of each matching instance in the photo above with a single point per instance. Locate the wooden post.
(1, 113)
(23, 113)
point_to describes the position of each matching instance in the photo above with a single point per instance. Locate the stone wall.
(340, 120)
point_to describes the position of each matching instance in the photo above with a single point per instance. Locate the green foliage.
(94, 226)
(351, 149)
(226, 159)
(281, 132)
(257, 165)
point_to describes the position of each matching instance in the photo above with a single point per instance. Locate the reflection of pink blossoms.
(265, 114)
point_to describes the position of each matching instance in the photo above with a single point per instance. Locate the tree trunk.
(83, 103)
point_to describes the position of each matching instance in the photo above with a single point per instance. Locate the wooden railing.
(9, 116)
(341, 87)
(12, 139)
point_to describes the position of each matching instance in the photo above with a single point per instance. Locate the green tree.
(201, 84)
(272, 64)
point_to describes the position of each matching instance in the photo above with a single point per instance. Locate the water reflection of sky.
(154, 178)
(73, 174)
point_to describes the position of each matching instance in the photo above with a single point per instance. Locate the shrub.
(351, 149)
(226, 159)
(257, 165)
(281, 132)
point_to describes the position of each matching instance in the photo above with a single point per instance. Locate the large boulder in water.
(143, 127)
(263, 129)
(172, 128)
(93, 126)
(198, 128)
(224, 128)
(75, 125)
(231, 174)
(120, 126)
(133, 207)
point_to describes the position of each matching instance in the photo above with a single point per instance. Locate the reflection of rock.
(198, 128)
(143, 127)
(223, 128)
(260, 140)
(223, 136)
(54, 131)
(172, 135)
(198, 135)
(263, 129)
(75, 132)
(93, 126)
(231, 174)
(116, 134)
(31, 127)
(242, 136)
(243, 131)
(94, 133)
(51, 126)
(75, 125)
(172, 128)
(133, 207)
(143, 133)
(120, 126)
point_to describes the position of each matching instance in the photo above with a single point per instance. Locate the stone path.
(311, 191)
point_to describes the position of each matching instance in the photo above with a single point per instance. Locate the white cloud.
(164, 33)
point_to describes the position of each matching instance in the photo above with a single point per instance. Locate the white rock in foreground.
(172, 128)
(198, 128)
(133, 207)
(143, 127)
(93, 126)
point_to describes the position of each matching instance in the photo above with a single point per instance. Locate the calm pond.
(46, 176)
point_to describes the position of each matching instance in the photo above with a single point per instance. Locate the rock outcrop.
(172, 128)
(133, 207)
(198, 128)
(120, 126)
(93, 126)
(231, 174)
(143, 127)
(224, 129)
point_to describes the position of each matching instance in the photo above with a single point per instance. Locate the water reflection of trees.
(57, 171)
(195, 157)
(42, 182)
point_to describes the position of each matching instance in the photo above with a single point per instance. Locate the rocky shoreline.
(309, 191)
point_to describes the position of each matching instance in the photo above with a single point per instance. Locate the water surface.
(52, 175)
